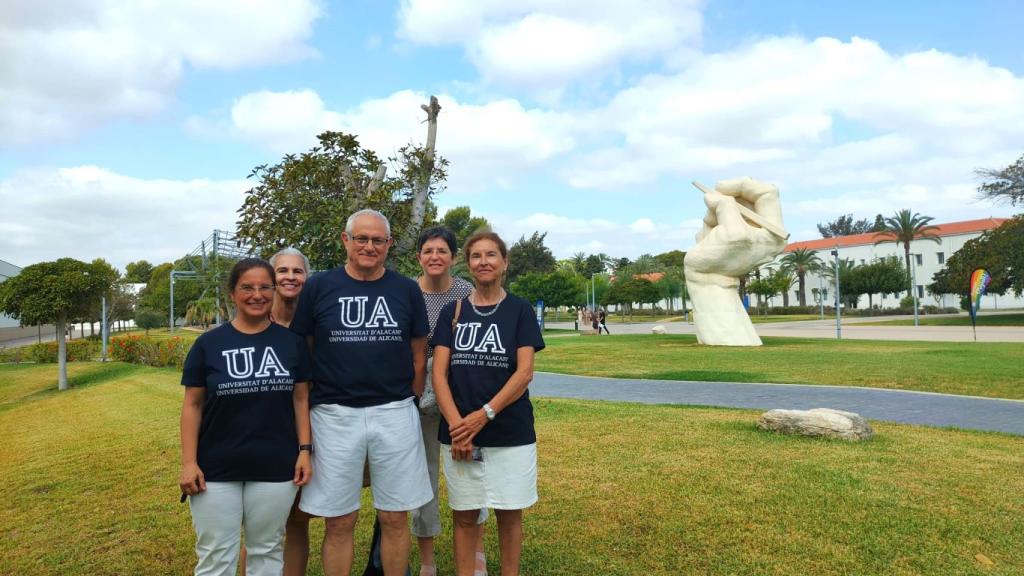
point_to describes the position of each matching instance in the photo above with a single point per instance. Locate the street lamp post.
(913, 285)
(839, 324)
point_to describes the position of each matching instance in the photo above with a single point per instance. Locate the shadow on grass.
(708, 376)
(96, 373)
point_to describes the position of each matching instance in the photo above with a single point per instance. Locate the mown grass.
(625, 489)
(977, 369)
(1014, 319)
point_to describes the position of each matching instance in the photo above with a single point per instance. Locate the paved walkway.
(892, 405)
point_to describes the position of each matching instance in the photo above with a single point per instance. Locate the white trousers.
(219, 513)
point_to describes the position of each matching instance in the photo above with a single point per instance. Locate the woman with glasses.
(484, 347)
(245, 435)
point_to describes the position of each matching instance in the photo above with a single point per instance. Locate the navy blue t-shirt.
(248, 428)
(362, 331)
(483, 358)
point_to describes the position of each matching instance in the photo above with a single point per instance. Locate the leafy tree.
(578, 262)
(800, 262)
(558, 288)
(463, 224)
(203, 311)
(595, 264)
(1006, 184)
(850, 286)
(619, 264)
(764, 288)
(54, 292)
(783, 280)
(671, 259)
(626, 291)
(304, 200)
(529, 255)
(138, 272)
(882, 276)
(644, 264)
(845, 226)
(672, 285)
(1000, 251)
(148, 319)
(903, 228)
(122, 302)
(157, 293)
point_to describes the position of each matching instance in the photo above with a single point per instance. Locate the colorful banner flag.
(980, 279)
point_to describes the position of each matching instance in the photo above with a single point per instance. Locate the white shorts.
(388, 437)
(505, 480)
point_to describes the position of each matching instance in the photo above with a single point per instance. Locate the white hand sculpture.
(729, 247)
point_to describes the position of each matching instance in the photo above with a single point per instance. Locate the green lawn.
(1015, 319)
(624, 489)
(978, 369)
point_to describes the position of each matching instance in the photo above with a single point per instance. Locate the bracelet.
(306, 447)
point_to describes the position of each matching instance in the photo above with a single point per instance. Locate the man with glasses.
(368, 330)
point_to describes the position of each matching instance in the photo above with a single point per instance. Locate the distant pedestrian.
(593, 323)
(601, 317)
(579, 318)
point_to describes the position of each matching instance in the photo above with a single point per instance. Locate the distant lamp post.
(839, 324)
(913, 285)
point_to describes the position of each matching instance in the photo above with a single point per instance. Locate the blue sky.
(127, 132)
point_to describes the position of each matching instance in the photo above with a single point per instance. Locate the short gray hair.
(289, 251)
(366, 212)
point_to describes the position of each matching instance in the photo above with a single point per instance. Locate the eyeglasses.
(250, 290)
(363, 240)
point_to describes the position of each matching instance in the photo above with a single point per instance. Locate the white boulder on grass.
(659, 329)
(823, 422)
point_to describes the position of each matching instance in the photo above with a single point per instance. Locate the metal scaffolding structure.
(200, 263)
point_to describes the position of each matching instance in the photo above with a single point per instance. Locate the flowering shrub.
(46, 352)
(149, 351)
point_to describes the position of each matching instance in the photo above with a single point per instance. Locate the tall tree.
(595, 264)
(304, 200)
(463, 224)
(138, 272)
(626, 291)
(904, 227)
(1000, 251)
(800, 262)
(882, 276)
(156, 295)
(671, 259)
(1003, 185)
(845, 226)
(529, 255)
(558, 288)
(54, 292)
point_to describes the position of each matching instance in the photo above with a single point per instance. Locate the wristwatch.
(489, 412)
(306, 447)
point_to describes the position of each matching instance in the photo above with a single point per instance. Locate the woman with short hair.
(484, 348)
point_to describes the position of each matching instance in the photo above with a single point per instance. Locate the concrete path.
(892, 405)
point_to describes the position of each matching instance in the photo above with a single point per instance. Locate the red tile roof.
(949, 229)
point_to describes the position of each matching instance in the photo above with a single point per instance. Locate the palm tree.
(800, 262)
(906, 227)
(578, 261)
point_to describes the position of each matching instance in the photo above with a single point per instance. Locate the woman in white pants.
(245, 435)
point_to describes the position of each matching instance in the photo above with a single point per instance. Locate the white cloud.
(88, 212)
(71, 64)
(489, 145)
(797, 111)
(543, 46)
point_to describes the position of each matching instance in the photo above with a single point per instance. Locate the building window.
(919, 258)
(920, 291)
(941, 257)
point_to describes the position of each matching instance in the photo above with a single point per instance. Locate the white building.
(8, 270)
(927, 258)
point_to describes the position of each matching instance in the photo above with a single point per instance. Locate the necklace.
(486, 314)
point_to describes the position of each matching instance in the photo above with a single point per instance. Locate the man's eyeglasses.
(364, 240)
(250, 290)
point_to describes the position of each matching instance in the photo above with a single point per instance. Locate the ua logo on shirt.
(466, 338)
(240, 366)
(353, 313)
